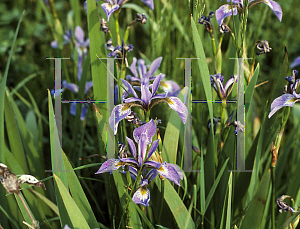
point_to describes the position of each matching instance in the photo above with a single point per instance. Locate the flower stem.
(274, 150)
(26, 208)
(162, 192)
(224, 104)
(213, 42)
(117, 28)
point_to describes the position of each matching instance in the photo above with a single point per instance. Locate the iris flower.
(141, 161)
(141, 75)
(217, 83)
(145, 102)
(289, 97)
(225, 10)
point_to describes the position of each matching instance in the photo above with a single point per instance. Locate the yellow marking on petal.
(293, 100)
(163, 84)
(125, 107)
(143, 190)
(161, 168)
(169, 101)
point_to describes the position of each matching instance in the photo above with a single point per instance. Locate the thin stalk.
(118, 28)
(162, 193)
(213, 42)
(29, 213)
(274, 150)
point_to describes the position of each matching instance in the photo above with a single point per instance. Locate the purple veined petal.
(132, 147)
(71, 86)
(156, 84)
(142, 148)
(129, 88)
(178, 106)
(154, 66)
(142, 196)
(109, 9)
(151, 175)
(153, 148)
(118, 113)
(170, 87)
(131, 100)
(296, 62)
(224, 11)
(284, 100)
(84, 111)
(275, 7)
(54, 44)
(146, 95)
(149, 3)
(88, 86)
(79, 34)
(133, 171)
(178, 170)
(133, 78)
(159, 96)
(169, 172)
(149, 129)
(129, 160)
(110, 165)
(133, 67)
(153, 164)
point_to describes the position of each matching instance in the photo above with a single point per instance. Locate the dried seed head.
(9, 180)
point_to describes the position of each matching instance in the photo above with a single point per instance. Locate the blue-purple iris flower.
(225, 10)
(217, 83)
(141, 161)
(145, 102)
(111, 6)
(141, 75)
(289, 97)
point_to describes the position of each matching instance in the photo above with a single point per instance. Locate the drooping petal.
(170, 88)
(178, 170)
(153, 164)
(110, 165)
(275, 7)
(169, 172)
(118, 113)
(71, 86)
(132, 147)
(149, 129)
(284, 100)
(225, 11)
(88, 86)
(73, 109)
(129, 160)
(149, 3)
(178, 106)
(79, 34)
(84, 111)
(296, 62)
(153, 148)
(109, 9)
(142, 196)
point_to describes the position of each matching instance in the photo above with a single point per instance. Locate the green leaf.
(228, 218)
(170, 145)
(79, 195)
(76, 217)
(97, 48)
(250, 89)
(178, 209)
(254, 213)
(47, 201)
